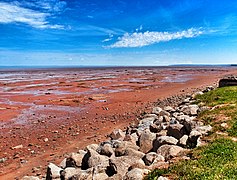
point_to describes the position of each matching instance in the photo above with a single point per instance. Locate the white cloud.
(147, 38)
(13, 13)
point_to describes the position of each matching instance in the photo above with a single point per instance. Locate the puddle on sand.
(177, 78)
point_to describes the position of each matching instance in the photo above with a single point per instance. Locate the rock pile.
(159, 138)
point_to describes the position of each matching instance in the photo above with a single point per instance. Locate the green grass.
(218, 159)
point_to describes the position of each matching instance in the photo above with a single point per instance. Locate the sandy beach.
(47, 113)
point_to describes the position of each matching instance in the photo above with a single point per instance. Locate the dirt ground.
(48, 113)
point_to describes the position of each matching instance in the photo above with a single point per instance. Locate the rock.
(183, 141)
(166, 118)
(76, 173)
(146, 141)
(187, 122)
(75, 159)
(53, 171)
(176, 130)
(93, 159)
(63, 163)
(169, 151)
(134, 174)
(30, 178)
(155, 128)
(133, 138)
(117, 134)
(190, 109)
(159, 141)
(120, 165)
(164, 113)
(149, 158)
(224, 125)
(115, 177)
(169, 109)
(203, 129)
(2, 160)
(133, 152)
(100, 176)
(122, 146)
(196, 94)
(92, 146)
(230, 80)
(193, 139)
(162, 178)
(151, 115)
(145, 123)
(17, 147)
(156, 110)
(106, 150)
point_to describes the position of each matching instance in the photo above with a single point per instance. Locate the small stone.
(46, 139)
(18, 147)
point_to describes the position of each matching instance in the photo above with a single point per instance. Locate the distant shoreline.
(53, 68)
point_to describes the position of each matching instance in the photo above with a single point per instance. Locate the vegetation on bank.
(217, 159)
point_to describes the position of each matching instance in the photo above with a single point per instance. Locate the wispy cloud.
(15, 13)
(148, 38)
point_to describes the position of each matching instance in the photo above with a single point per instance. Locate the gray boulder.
(120, 165)
(204, 130)
(190, 109)
(183, 141)
(106, 149)
(169, 151)
(149, 158)
(146, 141)
(159, 141)
(134, 174)
(53, 171)
(93, 159)
(117, 134)
(176, 130)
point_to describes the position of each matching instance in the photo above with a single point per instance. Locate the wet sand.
(51, 112)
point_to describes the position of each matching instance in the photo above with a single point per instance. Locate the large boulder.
(149, 158)
(146, 141)
(134, 174)
(190, 109)
(93, 159)
(77, 173)
(230, 80)
(121, 165)
(106, 149)
(194, 138)
(169, 151)
(204, 130)
(159, 141)
(117, 134)
(122, 146)
(75, 159)
(176, 130)
(53, 171)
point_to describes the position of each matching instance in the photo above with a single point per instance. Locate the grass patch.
(218, 159)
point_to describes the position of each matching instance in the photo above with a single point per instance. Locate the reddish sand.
(54, 112)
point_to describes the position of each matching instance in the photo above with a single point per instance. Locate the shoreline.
(120, 121)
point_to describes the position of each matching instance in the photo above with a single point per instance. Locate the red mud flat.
(47, 113)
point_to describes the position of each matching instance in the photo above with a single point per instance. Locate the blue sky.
(117, 32)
